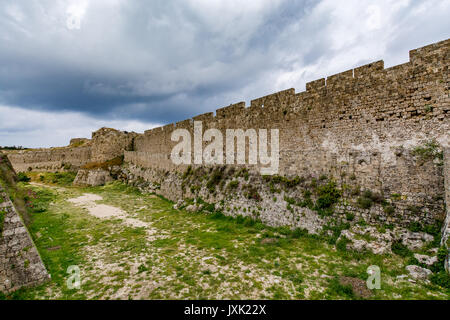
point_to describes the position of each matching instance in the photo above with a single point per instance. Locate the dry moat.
(130, 245)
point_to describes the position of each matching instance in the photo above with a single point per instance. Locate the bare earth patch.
(103, 211)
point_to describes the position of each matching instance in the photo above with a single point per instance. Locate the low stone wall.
(51, 160)
(20, 263)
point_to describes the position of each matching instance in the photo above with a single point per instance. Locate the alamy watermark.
(74, 280)
(235, 147)
(374, 279)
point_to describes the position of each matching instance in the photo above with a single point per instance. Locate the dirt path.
(103, 211)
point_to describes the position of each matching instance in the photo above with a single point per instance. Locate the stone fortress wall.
(20, 262)
(363, 123)
(362, 127)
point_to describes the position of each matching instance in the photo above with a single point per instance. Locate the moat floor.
(133, 246)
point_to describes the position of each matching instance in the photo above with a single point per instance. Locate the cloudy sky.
(69, 67)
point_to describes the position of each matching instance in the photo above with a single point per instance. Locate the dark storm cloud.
(175, 59)
(163, 61)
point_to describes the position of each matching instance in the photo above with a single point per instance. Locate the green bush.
(400, 249)
(415, 226)
(336, 288)
(210, 207)
(328, 195)
(22, 176)
(214, 180)
(350, 216)
(61, 178)
(441, 279)
(364, 203)
(252, 193)
(368, 198)
(299, 233)
(233, 185)
(429, 151)
(389, 209)
(341, 245)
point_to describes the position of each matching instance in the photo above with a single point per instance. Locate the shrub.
(441, 279)
(328, 195)
(350, 216)
(336, 288)
(341, 244)
(356, 191)
(364, 203)
(22, 176)
(210, 207)
(400, 249)
(396, 196)
(299, 233)
(429, 151)
(415, 226)
(252, 193)
(389, 209)
(233, 185)
(188, 172)
(214, 180)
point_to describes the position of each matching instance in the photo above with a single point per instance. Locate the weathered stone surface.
(429, 261)
(418, 273)
(20, 263)
(446, 226)
(97, 177)
(109, 143)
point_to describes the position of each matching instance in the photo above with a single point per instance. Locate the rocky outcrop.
(418, 273)
(96, 177)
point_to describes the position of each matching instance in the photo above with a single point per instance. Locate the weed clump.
(252, 193)
(22, 176)
(328, 195)
(368, 198)
(232, 185)
(215, 179)
(429, 151)
(339, 289)
(400, 249)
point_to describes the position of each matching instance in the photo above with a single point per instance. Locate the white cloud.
(31, 128)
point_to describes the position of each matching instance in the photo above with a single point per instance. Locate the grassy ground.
(181, 255)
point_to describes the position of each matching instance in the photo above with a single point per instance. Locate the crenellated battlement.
(351, 105)
(352, 81)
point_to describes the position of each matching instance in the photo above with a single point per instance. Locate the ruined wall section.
(106, 144)
(359, 126)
